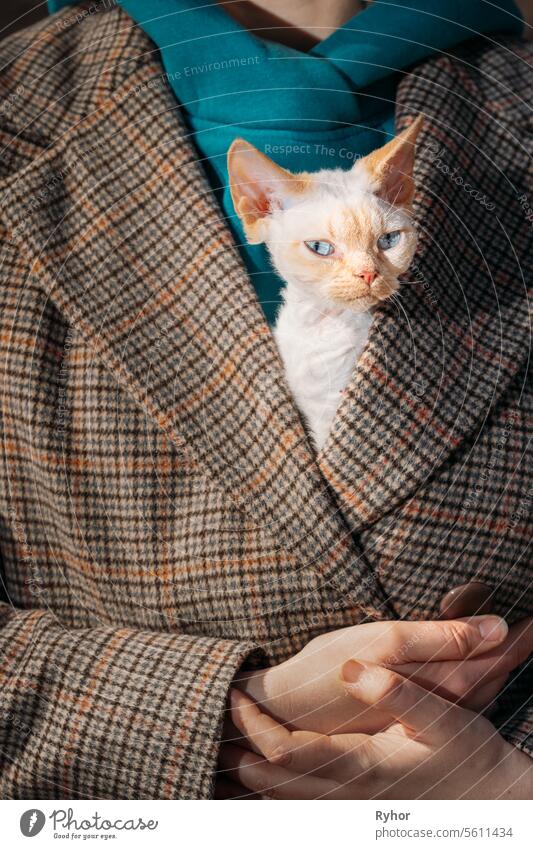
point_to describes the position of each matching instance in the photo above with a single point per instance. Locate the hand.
(453, 657)
(433, 749)
(526, 9)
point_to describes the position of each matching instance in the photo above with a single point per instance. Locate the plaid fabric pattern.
(163, 517)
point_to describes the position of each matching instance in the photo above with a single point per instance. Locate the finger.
(263, 733)
(459, 686)
(230, 732)
(481, 700)
(425, 714)
(457, 680)
(453, 639)
(503, 659)
(339, 757)
(269, 780)
(300, 751)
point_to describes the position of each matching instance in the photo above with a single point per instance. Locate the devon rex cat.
(340, 239)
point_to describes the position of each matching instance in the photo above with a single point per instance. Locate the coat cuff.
(112, 713)
(514, 716)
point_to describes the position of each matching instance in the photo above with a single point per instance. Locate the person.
(169, 538)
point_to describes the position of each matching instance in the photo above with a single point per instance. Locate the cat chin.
(362, 303)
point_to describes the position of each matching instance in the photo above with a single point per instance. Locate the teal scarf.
(307, 111)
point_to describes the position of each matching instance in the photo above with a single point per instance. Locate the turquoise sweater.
(306, 110)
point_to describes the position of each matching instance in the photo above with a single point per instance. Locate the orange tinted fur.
(350, 209)
(340, 240)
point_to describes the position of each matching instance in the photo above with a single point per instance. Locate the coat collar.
(435, 368)
(132, 248)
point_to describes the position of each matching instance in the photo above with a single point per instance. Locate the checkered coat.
(163, 517)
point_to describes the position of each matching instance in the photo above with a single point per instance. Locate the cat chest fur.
(320, 348)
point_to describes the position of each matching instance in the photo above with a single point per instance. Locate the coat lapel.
(435, 367)
(132, 248)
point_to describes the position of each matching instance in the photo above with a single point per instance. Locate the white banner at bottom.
(232, 825)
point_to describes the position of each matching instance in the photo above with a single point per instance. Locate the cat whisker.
(388, 215)
(401, 308)
(395, 300)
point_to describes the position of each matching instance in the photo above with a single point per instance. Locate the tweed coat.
(163, 516)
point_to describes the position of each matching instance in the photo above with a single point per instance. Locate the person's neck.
(297, 23)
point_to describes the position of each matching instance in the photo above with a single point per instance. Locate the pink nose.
(368, 277)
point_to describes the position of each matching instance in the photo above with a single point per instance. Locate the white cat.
(340, 240)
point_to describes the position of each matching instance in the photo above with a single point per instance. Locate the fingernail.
(493, 628)
(351, 671)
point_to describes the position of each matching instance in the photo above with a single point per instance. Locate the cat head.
(344, 235)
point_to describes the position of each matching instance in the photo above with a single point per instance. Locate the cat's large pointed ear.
(258, 186)
(391, 166)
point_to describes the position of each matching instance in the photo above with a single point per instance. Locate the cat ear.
(391, 166)
(258, 186)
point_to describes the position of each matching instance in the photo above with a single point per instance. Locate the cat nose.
(368, 277)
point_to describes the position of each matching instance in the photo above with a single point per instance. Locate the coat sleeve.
(514, 717)
(102, 712)
(109, 712)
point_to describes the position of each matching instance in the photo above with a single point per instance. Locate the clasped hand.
(382, 710)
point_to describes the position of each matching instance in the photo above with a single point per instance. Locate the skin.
(311, 21)
(307, 695)
(379, 729)
(452, 658)
(432, 749)
(526, 8)
(300, 24)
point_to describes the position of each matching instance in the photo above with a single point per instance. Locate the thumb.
(425, 714)
(451, 639)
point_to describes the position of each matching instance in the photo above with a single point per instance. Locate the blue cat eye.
(322, 248)
(389, 240)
